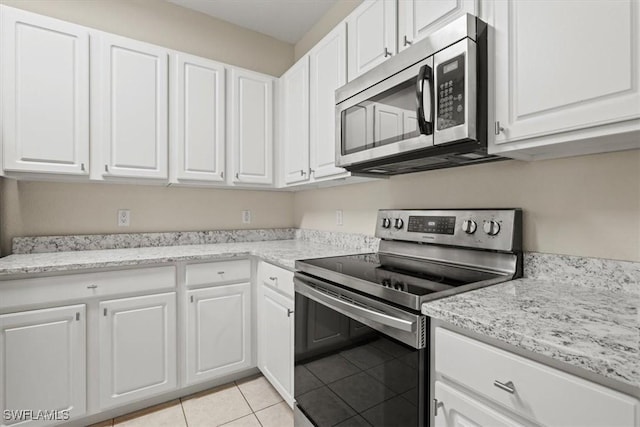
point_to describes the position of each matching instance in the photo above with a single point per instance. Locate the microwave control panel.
(450, 77)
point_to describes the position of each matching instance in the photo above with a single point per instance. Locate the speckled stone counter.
(281, 252)
(591, 325)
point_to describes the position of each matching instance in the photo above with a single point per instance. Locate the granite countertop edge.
(284, 253)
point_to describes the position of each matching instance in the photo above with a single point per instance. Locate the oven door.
(391, 117)
(356, 359)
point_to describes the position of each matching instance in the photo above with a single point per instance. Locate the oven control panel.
(494, 229)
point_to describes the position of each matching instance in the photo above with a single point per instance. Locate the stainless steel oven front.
(357, 359)
(427, 96)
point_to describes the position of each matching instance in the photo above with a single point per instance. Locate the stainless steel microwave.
(426, 108)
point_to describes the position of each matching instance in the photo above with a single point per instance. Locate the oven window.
(384, 119)
(348, 372)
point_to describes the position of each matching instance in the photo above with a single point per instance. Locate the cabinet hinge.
(77, 316)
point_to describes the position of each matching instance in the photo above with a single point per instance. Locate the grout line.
(184, 414)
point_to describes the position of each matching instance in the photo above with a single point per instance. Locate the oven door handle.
(349, 309)
(425, 119)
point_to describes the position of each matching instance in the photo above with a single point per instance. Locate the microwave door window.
(357, 128)
(394, 114)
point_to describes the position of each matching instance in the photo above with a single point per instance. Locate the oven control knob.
(491, 228)
(399, 223)
(386, 223)
(469, 226)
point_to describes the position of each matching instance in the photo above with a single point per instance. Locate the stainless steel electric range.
(361, 343)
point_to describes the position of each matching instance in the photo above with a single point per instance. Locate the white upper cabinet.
(371, 31)
(197, 119)
(295, 130)
(131, 103)
(566, 70)
(45, 94)
(419, 18)
(328, 71)
(251, 126)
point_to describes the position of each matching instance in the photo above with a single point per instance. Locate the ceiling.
(285, 20)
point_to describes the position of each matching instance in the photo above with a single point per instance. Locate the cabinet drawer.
(277, 278)
(54, 289)
(218, 272)
(542, 394)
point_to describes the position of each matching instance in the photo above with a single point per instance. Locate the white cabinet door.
(132, 108)
(419, 18)
(295, 129)
(275, 339)
(371, 30)
(137, 348)
(43, 362)
(457, 409)
(218, 331)
(251, 126)
(564, 66)
(45, 94)
(328, 63)
(198, 119)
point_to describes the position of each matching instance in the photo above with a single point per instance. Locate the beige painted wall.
(46, 208)
(165, 24)
(329, 20)
(588, 206)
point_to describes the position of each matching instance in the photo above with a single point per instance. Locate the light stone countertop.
(594, 328)
(281, 252)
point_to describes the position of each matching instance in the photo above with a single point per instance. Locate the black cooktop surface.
(408, 275)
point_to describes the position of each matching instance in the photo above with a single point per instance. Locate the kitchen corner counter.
(281, 252)
(597, 329)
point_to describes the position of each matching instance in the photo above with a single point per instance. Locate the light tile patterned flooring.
(250, 402)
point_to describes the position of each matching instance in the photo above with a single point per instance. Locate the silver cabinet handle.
(222, 174)
(273, 278)
(302, 172)
(82, 167)
(289, 312)
(221, 272)
(498, 128)
(508, 386)
(92, 286)
(106, 168)
(387, 53)
(407, 42)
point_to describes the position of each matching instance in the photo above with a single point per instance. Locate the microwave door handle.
(425, 112)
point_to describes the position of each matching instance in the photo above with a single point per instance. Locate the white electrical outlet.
(246, 217)
(339, 217)
(124, 217)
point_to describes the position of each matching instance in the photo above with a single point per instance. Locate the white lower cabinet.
(218, 331)
(540, 394)
(42, 363)
(275, 328)
(137, 340)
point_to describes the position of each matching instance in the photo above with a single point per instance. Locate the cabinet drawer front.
(542, 394)
(209, 273)
(54, 289)
(277, 278)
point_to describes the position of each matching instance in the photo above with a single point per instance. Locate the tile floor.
(250, 402)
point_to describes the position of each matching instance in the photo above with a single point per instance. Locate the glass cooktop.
(409, 276)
